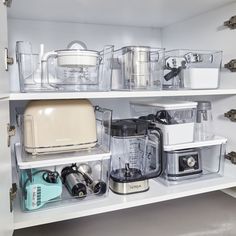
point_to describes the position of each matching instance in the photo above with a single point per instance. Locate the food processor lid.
(129, 127)
(77, 52)
(167, 104)
(203, 105)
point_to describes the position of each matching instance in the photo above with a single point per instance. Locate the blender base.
(129, 187)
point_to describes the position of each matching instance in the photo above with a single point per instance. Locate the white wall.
(57, 35)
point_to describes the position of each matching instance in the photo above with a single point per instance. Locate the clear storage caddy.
(63, 152)
(176, 119)
(193, 162)
(44, 186)
(72, 69)
(192, 69)
(137, 68)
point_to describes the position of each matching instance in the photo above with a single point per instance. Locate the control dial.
(190, 161)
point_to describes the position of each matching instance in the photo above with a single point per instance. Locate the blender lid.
(129, 127)
(203, 105)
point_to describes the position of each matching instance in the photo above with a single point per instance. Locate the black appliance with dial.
(182, 164)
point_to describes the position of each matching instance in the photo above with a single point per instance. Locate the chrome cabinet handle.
(8, 60)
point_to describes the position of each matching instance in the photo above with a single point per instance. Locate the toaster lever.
(11, 130)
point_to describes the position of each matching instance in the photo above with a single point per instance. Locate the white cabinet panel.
(6, 222)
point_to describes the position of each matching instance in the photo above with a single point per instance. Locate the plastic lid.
(77, 52)
(203, 105)
(129, 127)
(167, 104)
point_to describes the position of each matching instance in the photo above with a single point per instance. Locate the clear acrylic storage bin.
(137, 68)
(50, 129)
(199, 161)
(176, 119)
(44, 186)
(71, 69)
(192, 69)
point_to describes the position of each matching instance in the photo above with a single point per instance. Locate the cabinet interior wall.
(201, 32)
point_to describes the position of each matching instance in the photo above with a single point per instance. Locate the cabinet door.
(6, 216)
(4, 77)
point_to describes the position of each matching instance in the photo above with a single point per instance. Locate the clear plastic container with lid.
(176, 119)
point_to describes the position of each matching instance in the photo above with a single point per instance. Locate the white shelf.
(119, 94)
(156, 193)
(28, 161)
(216, 141)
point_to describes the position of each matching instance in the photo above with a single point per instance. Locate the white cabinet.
(6, 225)
(106, 26)
(4, 81)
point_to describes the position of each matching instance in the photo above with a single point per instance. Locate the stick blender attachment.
(74, 181)
(98, 187)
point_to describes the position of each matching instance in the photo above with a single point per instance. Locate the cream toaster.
(59, 126)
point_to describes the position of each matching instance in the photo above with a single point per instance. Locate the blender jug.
(204, 126)
(136, 155)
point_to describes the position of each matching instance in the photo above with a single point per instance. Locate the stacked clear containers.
(184, 158)
(64, 152)
(137, 68)
(136, 155)
(192, 69)
(176, 119)
(73, 69)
